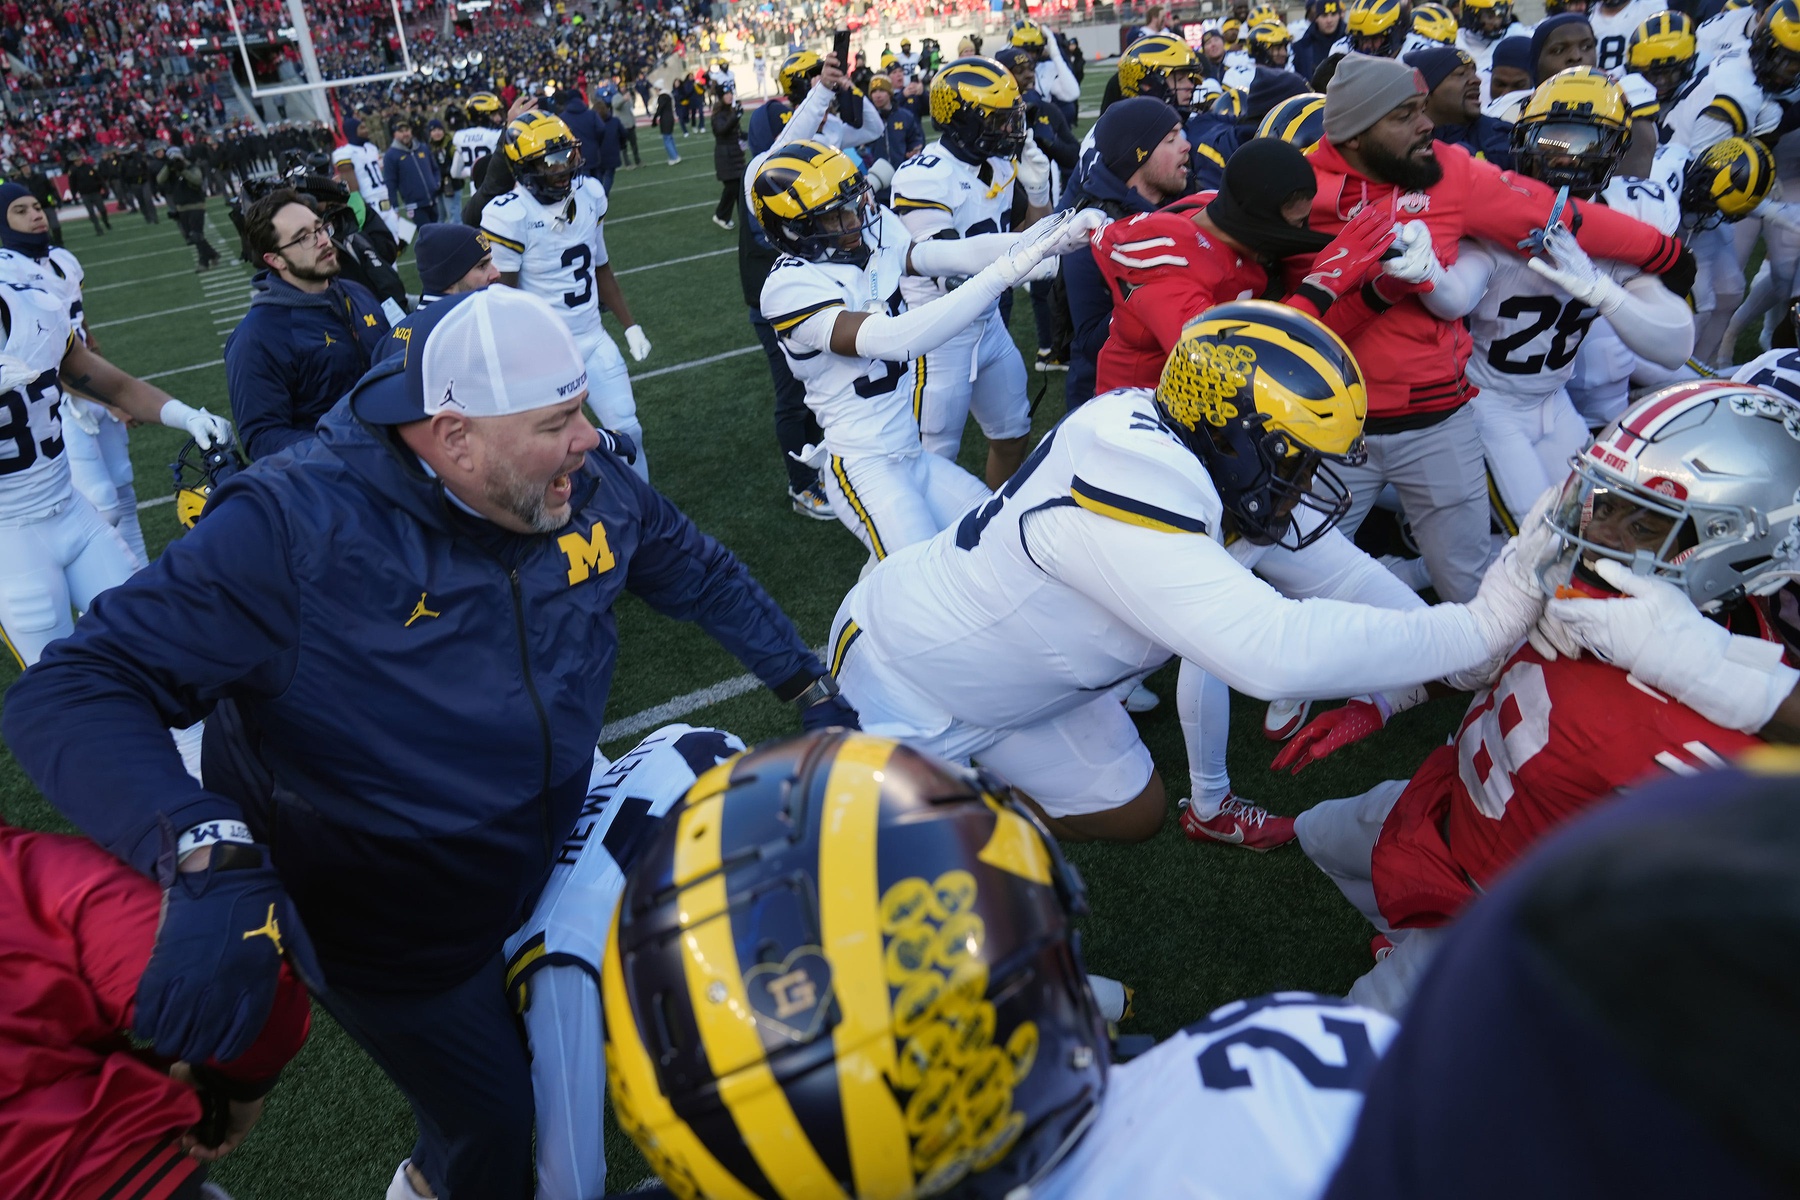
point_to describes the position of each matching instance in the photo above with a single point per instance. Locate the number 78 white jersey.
(554, 249)
(1258, 1100)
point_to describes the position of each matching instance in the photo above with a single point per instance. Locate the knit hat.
(1364, 90)
(445, 253)
(1130, 130)
(1437, 63)
(1541, 35)
(1514, 52)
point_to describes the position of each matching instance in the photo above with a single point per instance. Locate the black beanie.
(1263, 175)
(1130, 130)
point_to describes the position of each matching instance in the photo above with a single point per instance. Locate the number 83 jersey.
(34, 472)
(553, 248)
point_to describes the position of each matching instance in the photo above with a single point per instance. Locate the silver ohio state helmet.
(1722, 461)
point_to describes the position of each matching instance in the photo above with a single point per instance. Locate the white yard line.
(673, 261)
(681, 706)
(659, 212)
(147, 316)
(199, 366)
(697, 362)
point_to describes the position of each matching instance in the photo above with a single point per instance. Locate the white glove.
(14, 373)
(1417, 261)
(1052, 237)
(1510, 599)
(1568, 266)
(201, 425)
(637, 343)
(1658, 635)
(1034, 174)
(75, 409)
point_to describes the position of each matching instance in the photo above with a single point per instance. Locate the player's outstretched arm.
(86, 372)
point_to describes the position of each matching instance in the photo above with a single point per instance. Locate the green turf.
(1188, 926)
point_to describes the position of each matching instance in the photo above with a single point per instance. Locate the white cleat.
(1284, 718)
(1141, 700)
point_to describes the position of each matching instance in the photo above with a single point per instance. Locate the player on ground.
(834, 300)
(926, 1015)
(479, 138)
(56, 552)
(982, 175)
(1008, 638)
(1696, 485)
(1527, 317)
(547, 239)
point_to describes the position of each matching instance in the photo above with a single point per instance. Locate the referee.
(401, 636)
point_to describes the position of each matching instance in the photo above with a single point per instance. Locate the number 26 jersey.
(554, 249)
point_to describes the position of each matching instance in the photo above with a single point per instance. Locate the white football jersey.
(1275, 1083)
(864, 405)
(1482, 50)
(937, 191)
(470, 146)
(1725, 91)
(1778, 370)
(1724, 33)
(554, 248)
(34, 472)
(371, 178)
(1612, 31)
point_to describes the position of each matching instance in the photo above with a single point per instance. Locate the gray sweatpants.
(1339, 836)
(1441, 476)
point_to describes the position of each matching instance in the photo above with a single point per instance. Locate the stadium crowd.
(1399, 350)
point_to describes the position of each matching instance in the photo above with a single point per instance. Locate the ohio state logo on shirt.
(1413, 202)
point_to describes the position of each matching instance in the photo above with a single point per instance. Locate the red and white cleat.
(1284, 718)
(1240, 823)
(1380, 947)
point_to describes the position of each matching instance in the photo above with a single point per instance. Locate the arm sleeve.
(808, 116)
(929, 325)
(1463, 283)
(262, 405)
(1333, 567)
(684, 574)
(950, 259)
(1185, 592)
(568, 1082)
(216, 614)
(1505, 207)
(1653, 322)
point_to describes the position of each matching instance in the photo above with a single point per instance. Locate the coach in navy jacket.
(403, 701)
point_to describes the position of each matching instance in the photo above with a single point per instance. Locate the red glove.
(1351, 260)
(1328, 733)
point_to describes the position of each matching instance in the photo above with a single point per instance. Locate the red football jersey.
(80, 1114)
(1545, 742)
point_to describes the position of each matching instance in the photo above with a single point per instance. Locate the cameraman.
(184, 184)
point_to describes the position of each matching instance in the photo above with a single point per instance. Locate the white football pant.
(610, 396)
(893, 501)
(1528, 446)
(980, 372)
(101, 467)
(54, 565)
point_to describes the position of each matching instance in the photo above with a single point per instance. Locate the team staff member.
(82, 1115)
(412, 174)
(405, 636)
(1453, 90)
(1379, 151)
(308, 335)
(452, 260)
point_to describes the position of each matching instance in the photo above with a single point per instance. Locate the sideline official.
(402, 638)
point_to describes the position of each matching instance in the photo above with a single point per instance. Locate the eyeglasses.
(310, 235)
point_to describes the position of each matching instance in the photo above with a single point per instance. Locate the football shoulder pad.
(1651, 201)
(1128, 466)
(590, 187)
(503, 220)
(926, 181)
(797, 290)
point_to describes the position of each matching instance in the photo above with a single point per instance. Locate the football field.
(1189, 926)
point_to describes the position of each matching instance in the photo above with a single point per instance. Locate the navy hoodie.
(1090, 301)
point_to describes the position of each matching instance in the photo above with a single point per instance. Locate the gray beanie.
(1364, 90)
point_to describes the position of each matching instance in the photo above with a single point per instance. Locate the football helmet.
(1434, 23)
(1712, 469)
(1555, 8)
(1572, 131)
(1298, 120)
(1229, 104)
(1269, 43)
(1728, 181)
(1027, 34)
(197, 473)
(1664, 51)
(484, 108)
(814, 203)
(1775, 47)
(843, 966)
(1487, 18)
(1267, 397)
(543, 154)
(1263, 14)
(1374, 27)
(796, 73)
(1151, 64)
(976, 105)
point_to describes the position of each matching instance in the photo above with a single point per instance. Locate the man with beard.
(308, 335)
(1379, 151)
(1454, 104)
(404, 639)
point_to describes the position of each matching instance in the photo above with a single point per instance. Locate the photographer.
(185, 186)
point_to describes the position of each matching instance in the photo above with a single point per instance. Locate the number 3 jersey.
(1275, 1085)
(865, 406)
(554, 249)
(34, 472)
(1547, 740)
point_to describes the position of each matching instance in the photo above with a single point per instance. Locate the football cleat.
(1284, 718)
(1238, 823)
(1140, 700)
(812, 502)
(1380, 947)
